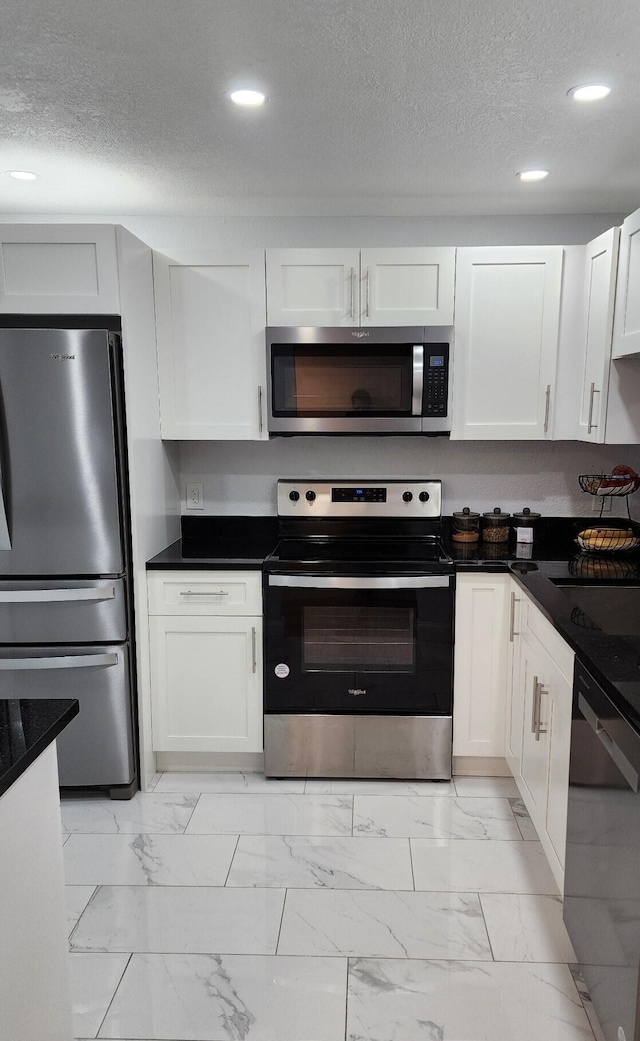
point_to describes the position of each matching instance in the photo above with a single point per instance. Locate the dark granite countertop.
(27, 727)
(245, 542)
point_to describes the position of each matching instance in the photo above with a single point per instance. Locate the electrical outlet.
(607, 504)
(194, 496)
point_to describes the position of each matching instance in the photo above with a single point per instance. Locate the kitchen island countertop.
(27, 727)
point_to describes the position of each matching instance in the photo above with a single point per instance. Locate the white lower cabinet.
(539, 726)
(480, 665)
(206, 664)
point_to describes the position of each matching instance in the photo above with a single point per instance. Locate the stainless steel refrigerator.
(65, 586)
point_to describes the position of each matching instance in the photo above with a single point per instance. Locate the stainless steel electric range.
(359, 598)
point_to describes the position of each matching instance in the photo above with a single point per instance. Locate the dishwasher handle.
(626, 768)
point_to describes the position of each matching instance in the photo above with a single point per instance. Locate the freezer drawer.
(97, 746)
(52, 611)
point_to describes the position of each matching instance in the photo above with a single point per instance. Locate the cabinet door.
(626, 326)
(210, 318)
(534, 683)
(560, 743)
(407, 286)
(313, 286)
(206, 684)
(480, 665)
(506, 342)
(600, 289)
(58, 269)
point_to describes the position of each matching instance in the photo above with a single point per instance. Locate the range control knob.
(407, 496)
(310, 496)
(294, 496)
(424, 496)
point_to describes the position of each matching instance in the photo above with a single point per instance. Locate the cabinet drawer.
(205, 592)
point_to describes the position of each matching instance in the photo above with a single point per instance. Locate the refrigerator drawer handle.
(64, 661)
(43, 596)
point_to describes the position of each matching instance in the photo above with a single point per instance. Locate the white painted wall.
(167, 233)
(240, 477)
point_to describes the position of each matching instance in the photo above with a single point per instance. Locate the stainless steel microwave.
(358, 381)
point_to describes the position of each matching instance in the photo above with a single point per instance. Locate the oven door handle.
(361, 582)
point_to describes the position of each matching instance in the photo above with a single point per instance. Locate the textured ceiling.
(375, 106)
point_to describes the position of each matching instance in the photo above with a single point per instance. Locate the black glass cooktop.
(387, 554)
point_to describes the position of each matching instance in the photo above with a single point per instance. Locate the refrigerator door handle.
(42, 596)
(63, 661)
(5, 538)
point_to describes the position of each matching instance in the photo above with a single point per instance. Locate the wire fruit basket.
(623, 481)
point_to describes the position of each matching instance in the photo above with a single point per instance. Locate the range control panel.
(340, 498)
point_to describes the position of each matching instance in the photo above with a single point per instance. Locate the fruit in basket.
(620, 477)
(607, 539)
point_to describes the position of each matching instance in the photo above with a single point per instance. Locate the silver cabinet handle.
(539, 727)
(63, 661)
(44, 596)
(418, 379)
(260, 419)
(512, 617)
(534, 705)
(5, 538)
(536, 724)
(348, 582)
(590, 424)
(351, 280)
(254, 657)
(366, 309)
(204, 592)
(547, 399)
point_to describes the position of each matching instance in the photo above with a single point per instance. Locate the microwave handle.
(418, 379)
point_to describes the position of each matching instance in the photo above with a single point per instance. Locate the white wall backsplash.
(240, 477)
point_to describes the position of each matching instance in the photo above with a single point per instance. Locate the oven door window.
(349, 650)
(318, 380)
(360, 638)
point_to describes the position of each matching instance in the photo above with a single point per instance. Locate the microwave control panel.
(436, 380)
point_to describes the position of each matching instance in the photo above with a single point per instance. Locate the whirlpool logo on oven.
(356, 691)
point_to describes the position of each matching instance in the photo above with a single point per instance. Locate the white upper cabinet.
(313, 286)
(600, 290)
(407, 286)
(210, 319)
(352, 287)
(626, 328)
(506, 342)
(58, 269)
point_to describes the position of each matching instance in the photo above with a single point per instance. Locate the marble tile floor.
(227, 907)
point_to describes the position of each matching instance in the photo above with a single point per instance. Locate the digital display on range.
(436, 361)
(358, 495)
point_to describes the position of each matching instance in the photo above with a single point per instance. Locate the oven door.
(370, 644)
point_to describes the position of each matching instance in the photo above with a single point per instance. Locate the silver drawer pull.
(64, 661)
(42, 596)
(204, 592)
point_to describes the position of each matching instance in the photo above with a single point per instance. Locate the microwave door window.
(321, 381)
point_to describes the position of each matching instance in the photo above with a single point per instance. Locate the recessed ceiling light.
(22, 175)
(252, 98)
(590, 92)
(533, 175)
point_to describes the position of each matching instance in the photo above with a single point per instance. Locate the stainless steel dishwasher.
(602, 877)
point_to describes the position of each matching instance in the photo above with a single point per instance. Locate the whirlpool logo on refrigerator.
(356, 691)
